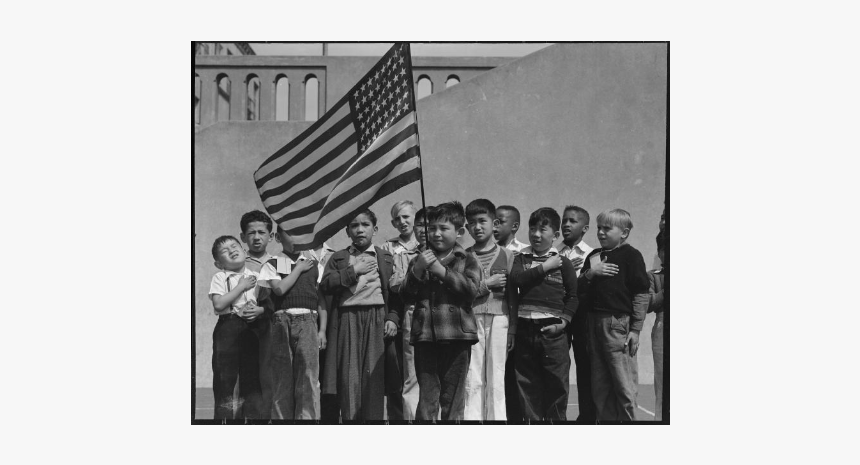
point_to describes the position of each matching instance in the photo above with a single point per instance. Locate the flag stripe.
(386, 189)
(324, 143)
(338, 159)
(386, 142)
(406, 171)
(333, 112)
(378, 160)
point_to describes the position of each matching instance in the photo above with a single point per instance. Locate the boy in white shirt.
(234, 294)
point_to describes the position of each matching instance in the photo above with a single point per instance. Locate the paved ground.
(205, 403)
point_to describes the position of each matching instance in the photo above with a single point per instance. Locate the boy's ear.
(392, 223)
(461, 231)
(625, 233)
(584, 229)
(516, 226)
(376, 229)
(556, 235)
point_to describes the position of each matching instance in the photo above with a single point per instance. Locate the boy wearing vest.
(485, 382)
(443, 282)
(614, 284)
(295, 339)
(546, 304)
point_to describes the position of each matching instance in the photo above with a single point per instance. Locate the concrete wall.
(577, 124)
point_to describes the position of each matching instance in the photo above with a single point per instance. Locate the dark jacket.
(443, 308)
(339, 275)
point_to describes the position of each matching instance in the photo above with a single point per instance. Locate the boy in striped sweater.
(485, 381)
(545, 305)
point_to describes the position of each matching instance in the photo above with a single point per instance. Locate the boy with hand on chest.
(545, 305)
(233, 291)
(485, 382)
(443, 281)
(614, 284)
(295, 338)
(356, 286)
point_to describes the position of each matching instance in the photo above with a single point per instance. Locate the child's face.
(541, 238)
(257, 236)
(404, 220)
(285, 240)
(420, 230)
(506, 226)
(573, 226)
(231, 256)
(610, 236)
(361, 231)
(443, 235)
(480, 227)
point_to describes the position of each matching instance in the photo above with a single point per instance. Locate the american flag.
(364, 148)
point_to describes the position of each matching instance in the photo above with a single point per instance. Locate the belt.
(295, 311)
(542, 321)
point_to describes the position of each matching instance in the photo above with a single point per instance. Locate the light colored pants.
(657, 349)
(410, 380)
(485, 382)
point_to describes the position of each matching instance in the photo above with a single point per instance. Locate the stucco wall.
(580, 124)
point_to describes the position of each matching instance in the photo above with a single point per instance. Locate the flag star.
(374, 125)
(362, 126)
(364, 99)
(388, 84)
(371, 93)
(386, 114)
(356, 94)
(363, 86)
(403, 71)
(377, 86)
(401, 60)
(360, 115)
(389, 60)
(399, 110)
(406, 106)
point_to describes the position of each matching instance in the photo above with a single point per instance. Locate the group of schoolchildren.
(422, 329)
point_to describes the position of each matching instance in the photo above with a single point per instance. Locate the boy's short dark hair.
(511, 209)
(422, 214)
(367, 212)
(481, 207)
(545, 216)
(579, 210)
(449, 211)
(221, 241)
(253, 216)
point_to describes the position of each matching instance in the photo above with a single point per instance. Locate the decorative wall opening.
(282, 98)
(424, 87)
(252, 108)
(452, 81)
(222, 109)
(312, 96)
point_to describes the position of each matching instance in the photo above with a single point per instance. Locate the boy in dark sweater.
(295, 338)
(614, 286)
(546, 302)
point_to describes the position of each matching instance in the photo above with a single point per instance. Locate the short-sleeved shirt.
(516, 246)
(580, 250)
(224, 281)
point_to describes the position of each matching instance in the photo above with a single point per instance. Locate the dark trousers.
(441, 370)
(394, 377)
(512, 392)
(329, 407)
(543, 371)
(236, 356)
(579, 342)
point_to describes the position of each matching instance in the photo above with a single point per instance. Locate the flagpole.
(418, 147)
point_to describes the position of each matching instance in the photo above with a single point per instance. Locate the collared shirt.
(225, 281)
(256, 264)
(516, 246)
(580, 250)
(524, 311)
(368, 289)
(396, 246)
(285, 264)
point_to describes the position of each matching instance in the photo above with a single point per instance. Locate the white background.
(97, 202)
